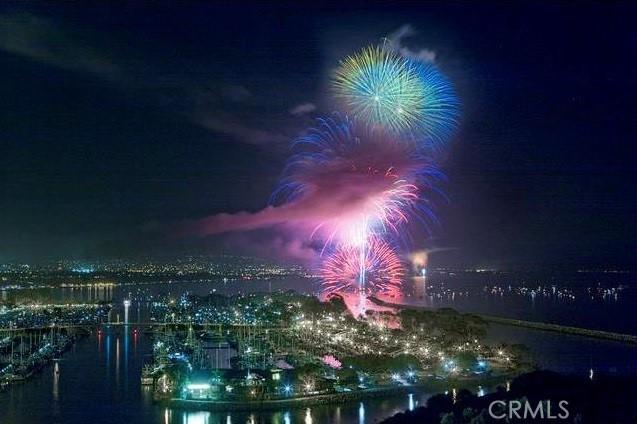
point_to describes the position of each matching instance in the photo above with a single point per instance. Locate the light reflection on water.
(307, 417)
(599, 314)
(199, 417)
(98, 381)
(313, 415)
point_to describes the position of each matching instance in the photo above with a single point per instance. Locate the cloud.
(335, 198)
(396, 41)
(39, 39)
(236, 93)
(295, 249)
(223, 107)
(280, 243)
(239, 131)
(302, 109)
(335, 194)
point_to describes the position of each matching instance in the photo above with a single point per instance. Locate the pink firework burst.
(357, 182)
(372, 268)
(378, 213)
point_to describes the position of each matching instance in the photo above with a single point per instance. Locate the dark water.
(554, 351)
(570, 354)
(99, 382)
(608, 313)
(616, 316)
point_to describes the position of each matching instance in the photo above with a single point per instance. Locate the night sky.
(119, 123)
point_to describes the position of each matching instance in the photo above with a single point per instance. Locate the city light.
(198, 386)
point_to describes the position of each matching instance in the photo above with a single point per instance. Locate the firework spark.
(353, 184)
(392, 92)
(376, 263)
(382, 180)
(381, 87)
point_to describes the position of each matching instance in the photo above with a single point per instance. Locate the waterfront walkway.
(430, 386)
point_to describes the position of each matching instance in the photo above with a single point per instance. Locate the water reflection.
(56, 381)
(201, 417)
(603, 315)
(116, 380)
(126, 331)
(107, 343)
(115, 376)
(117, 373)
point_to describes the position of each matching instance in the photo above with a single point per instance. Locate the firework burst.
(395, 93)
(439, 116)
(354, 184)
(377, 266)
(380, 87)
(374, 182)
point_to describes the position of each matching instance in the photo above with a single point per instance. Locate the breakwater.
(564, 329)
(535, 325)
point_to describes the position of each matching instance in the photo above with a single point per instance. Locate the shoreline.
(434, 387)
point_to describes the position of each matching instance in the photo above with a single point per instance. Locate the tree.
(347, 376)
(439, 404)
(447, 418)
(468, 414)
